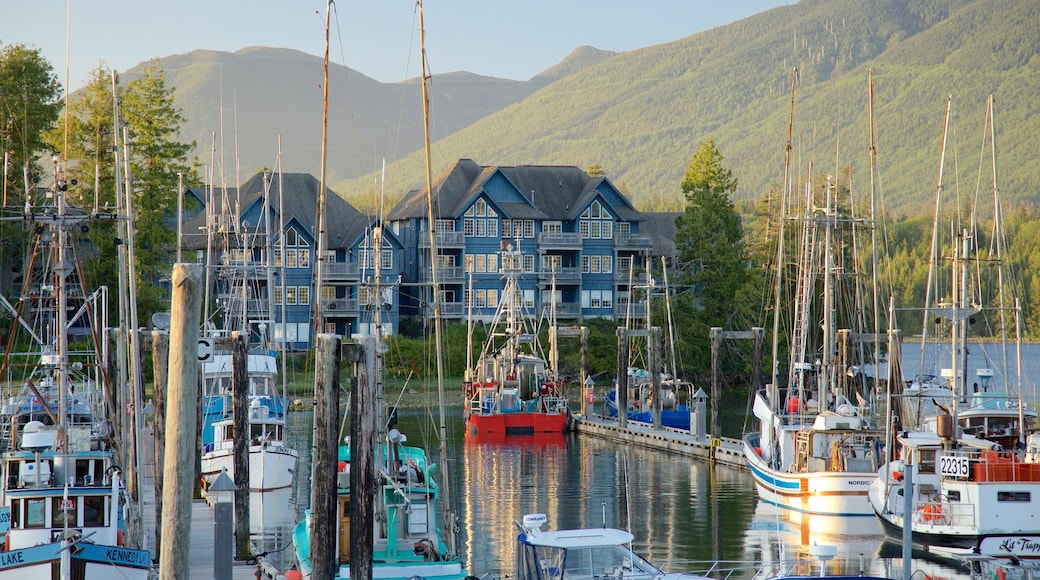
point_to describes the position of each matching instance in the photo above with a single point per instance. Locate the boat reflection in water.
(680, 512)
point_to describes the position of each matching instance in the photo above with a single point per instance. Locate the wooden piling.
(326, 420)
(363, 428)
(655, 373)
(185, 309)
(160, 364)
(240, 444)
(622, 377)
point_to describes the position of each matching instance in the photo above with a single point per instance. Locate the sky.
(513, 39)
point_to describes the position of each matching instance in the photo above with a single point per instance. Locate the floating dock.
(720, 450)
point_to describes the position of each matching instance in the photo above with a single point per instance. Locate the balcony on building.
(452, 310)
(563, 276)
(445, 275)
(623, 277)
(632, 241)
(559, 241)
(566, 310)
(444, 240)
(339, 271)
(631, 309)
(338, 307)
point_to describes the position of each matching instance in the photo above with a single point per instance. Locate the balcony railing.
(563, 275)
(632, 241)
(448, 309)
(443, 239)
(445, 274)
(559, 240)
(631, 309)
(339, 271)
(340, 307)
(621, 277)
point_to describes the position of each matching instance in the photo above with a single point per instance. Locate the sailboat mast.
(319, 221)
(436, 299)
(671, 323)
(778, 286)
(933, 260)
(61, 272)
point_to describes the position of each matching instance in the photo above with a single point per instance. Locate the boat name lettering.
(865, 482)
(128, 557)
(955, 466)
(1020, 545)
(11, 558)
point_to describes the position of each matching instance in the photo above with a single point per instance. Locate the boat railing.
(940, 511)
(987, 466)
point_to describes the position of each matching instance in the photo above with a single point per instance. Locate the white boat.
(966, 494)
(66, 512)
(967, 497)
(581, 554)
(272, 460)
(61, 488)
(817, 442)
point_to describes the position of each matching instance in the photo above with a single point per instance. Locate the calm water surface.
(682, 512)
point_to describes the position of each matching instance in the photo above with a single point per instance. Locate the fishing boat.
(675, 395)
(513, 391)
(966, 496)
(407, 540)
(818, 442)
(272, 460)
(957, 490)
(61, 488)
(241, 269)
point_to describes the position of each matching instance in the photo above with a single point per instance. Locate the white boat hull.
(829, 493)
(271, 467)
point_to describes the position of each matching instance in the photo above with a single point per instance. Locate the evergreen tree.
(718, 287)
(156, 156)
(30, 100)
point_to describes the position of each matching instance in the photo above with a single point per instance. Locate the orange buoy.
(293, 575)
(793, 404)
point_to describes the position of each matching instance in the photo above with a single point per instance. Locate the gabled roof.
(449, 187)
(299, 202)
(661, 227)
(548, 191)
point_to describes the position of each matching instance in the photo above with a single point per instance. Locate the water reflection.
(683, 513)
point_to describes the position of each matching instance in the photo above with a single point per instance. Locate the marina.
(826, 454)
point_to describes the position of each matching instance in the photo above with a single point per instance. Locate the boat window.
(926, 461)
(16, 513)
(64, 511)
(35, 512)
(256, 430)
(94, 511)
(1015, 496)
(953, 495)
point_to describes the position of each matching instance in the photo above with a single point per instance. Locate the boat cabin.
(583, 554)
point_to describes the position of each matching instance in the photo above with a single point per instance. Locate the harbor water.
(684, 513)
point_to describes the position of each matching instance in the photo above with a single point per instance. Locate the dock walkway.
(202, 526)
(721, 450)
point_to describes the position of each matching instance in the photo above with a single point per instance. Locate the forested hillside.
(642, 113)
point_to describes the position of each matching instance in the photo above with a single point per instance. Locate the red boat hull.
(507, 425)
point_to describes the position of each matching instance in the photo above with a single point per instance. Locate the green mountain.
(641, 114)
